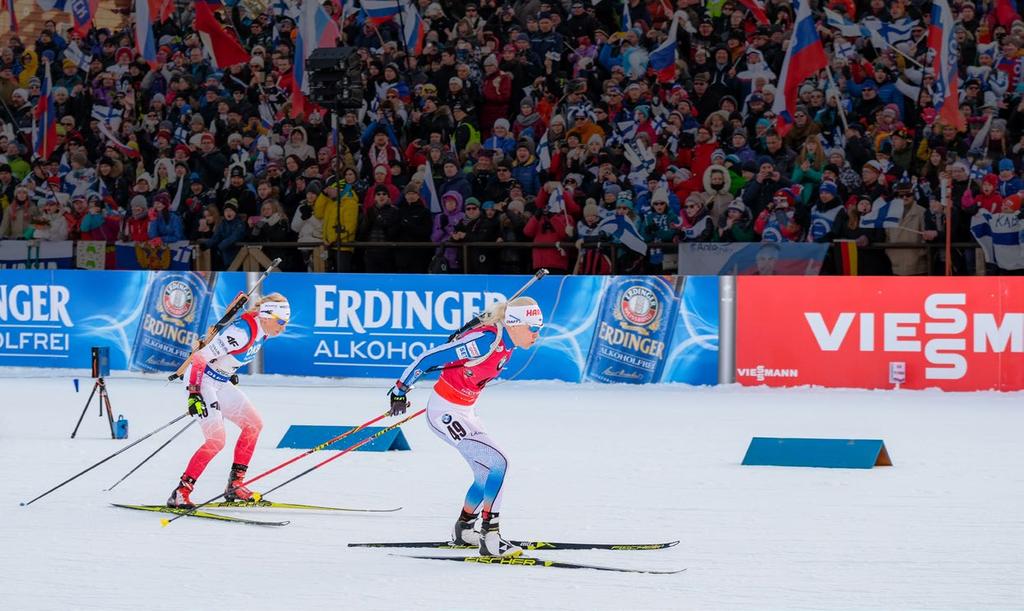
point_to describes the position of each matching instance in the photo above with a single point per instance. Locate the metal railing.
(251, 257)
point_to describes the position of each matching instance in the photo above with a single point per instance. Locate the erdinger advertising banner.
(622, 329)
(606, 329)
(952, 333)
(53, 318)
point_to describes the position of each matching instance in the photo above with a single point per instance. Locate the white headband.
(276, 309)
(529, 314)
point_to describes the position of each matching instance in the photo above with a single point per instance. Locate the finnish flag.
(1001, 237)
(884, 214)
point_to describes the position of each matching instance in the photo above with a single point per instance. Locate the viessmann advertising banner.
(951, 333)
(621, 329)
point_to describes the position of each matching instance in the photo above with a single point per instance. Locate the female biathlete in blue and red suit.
(468, 363)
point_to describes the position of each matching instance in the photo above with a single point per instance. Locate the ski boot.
(465, 532)
(179, 498)
(491, 541)
(235, 491)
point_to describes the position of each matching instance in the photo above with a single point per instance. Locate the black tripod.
(104, 401)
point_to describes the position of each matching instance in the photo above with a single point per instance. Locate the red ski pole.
(323, 445)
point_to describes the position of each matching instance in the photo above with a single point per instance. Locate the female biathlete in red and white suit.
(212, 397)
(468, 363)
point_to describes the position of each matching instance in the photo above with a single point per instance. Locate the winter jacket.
(17, 219)
(415, 224)
(526, 174)
(547, 229)
(908, 261)
(444, 227)
(717, 200)
(225, 237)
(168, 227)
(339, 218)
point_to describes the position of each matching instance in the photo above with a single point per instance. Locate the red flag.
(755, 8)
(223, 46)
(1006, 12)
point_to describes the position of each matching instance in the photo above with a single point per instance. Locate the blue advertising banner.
(613, 329)
(366, 325)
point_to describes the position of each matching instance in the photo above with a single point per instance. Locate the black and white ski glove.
(399, 401)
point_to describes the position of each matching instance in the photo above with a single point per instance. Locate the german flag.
(848, 257)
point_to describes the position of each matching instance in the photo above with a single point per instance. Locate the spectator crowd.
(525, 121)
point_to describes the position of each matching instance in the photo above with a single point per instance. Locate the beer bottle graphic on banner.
(634, 328)
(172, 317)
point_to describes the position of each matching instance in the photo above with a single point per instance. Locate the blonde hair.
(495, 315)
(262, 300)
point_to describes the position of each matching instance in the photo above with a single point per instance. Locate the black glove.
(399, 402)
(234, 379)
(305, 212)
(196, 405)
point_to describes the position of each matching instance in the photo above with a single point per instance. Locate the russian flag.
(1006, 12)
(415, 32)
(144, 39)
(316, 30)
(804, 58)
(662, 60)
(755, 8)
(380, 11)
(9, 4)
(224, 48)
(945, 96)
(44, 136)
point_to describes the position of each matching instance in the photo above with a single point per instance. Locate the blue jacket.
(170, 230)
(527, 176)
(225, 236)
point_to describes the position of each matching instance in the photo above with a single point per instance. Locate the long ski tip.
(164, 522)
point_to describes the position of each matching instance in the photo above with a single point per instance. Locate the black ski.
(535, 562)
(526, 545)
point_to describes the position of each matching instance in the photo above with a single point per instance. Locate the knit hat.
(790, 194)
(874, 166)
(624, 201)
(1006, 165)
(591, 210)
(830, 188)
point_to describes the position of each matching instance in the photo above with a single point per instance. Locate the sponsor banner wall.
(952, 333)
(621, 329)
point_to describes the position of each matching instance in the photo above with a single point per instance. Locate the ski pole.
(347, 450)
(127, 447)
(323, 445)
(145, 460)
(540, 273)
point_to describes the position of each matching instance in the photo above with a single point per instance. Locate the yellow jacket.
(340, 221)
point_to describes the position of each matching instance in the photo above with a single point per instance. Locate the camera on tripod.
(100, 361)
(335, 78)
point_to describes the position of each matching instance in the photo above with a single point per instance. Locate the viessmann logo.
(941, 333)
(760, 373)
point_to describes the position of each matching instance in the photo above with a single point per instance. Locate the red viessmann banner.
(957, 333)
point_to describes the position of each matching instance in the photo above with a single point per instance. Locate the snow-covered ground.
(942, 529)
